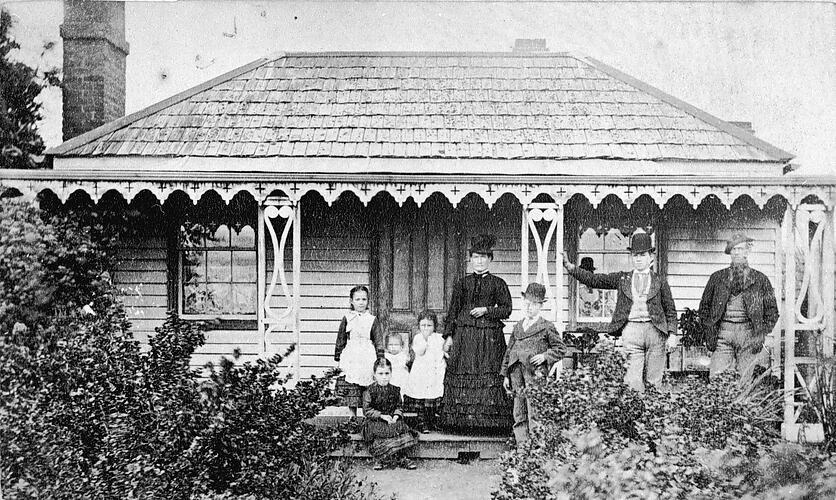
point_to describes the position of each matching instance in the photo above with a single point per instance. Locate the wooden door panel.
(418, 263)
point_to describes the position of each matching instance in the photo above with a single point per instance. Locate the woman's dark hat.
(736, 240)
(588, 264)
(535, 292)
(482, 244)
(640, 243)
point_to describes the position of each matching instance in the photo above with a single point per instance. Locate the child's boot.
(407, 464)
(434, 420)
(424, 421)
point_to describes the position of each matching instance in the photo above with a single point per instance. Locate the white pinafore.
(358, 357)
(426, 379)
(400, 373)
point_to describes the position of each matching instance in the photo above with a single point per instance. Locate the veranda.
(283, 252)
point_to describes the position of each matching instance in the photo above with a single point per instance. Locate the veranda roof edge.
(214, 176)
(419, 187)
(348, 167)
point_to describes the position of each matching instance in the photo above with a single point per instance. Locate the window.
(601, 252)
(218, 274)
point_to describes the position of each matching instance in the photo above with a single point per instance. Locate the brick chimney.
(94, 64)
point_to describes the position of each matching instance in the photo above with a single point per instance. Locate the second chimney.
(528, 45)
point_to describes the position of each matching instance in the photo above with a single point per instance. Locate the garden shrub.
(820, 406)
(596, 438)
(84, 413)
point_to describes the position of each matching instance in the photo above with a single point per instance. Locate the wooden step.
(437, 445)
(434, 445)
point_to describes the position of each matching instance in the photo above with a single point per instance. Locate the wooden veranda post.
(552, 214)
(788, 315)
(560, 298)
(261, 273)
(524, 248)
(808, 308)
(828, 281)
(270, 320)
(297, 285)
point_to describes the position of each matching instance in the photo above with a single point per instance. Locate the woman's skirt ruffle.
(413, 405)
(474, 398)
(384, 439)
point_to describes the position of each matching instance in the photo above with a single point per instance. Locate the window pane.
(608, 302)
(218, 298)
(244, 238)
(617, 262)
(590, 240)
(194, 298)
(614, 240)
(243, 299)
(220, 238)
(590, 302)
(194, 266)
(218, 266)
(243, 266)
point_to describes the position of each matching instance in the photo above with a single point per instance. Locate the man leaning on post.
(645, 313)
(738, 310)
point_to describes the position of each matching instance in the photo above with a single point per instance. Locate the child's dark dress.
(382, 438)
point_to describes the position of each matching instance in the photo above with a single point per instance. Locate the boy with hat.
(645, 313)
(738, 309)
(533, 347)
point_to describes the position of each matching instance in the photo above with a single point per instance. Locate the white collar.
(527, 321)
(646, 271)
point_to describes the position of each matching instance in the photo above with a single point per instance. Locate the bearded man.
(738, 309)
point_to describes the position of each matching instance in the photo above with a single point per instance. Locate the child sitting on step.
(388, 438)
(426, 379)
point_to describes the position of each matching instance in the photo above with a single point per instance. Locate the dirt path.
(437, 480)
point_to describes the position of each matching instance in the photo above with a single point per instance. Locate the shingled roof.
(424, 105)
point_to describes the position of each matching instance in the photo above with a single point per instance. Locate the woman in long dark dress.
(474, 399)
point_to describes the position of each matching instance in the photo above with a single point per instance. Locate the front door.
(419, 254)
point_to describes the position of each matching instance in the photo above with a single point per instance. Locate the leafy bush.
(821, 398)
(598, 439)
(84, 413)
(693, 331)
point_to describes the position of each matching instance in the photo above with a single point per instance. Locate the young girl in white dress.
(399, 357)
(426, 379)
(359, 344)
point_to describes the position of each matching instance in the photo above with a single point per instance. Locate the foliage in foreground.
(84, 413)
(20, 86)
(599, 439)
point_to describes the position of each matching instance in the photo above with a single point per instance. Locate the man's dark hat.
(641, 242)
(588, 264)
(482, 244)
(535, 292)
(736, 240)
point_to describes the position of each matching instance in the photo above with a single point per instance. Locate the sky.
(771, 63)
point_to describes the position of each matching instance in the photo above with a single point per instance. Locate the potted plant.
(583, 341)
(692, 355)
